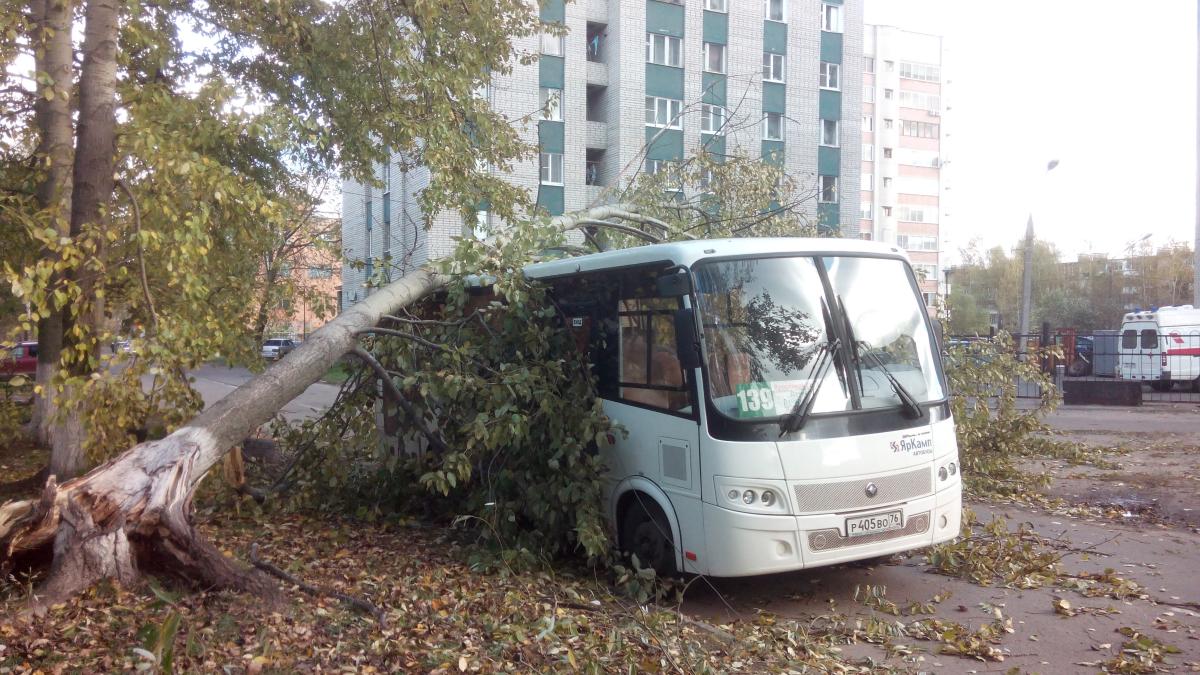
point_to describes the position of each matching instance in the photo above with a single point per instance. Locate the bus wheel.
(646, 533)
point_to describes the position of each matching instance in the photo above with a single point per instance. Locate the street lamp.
(1027, 271)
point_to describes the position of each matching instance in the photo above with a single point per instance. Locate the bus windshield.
(766, 322)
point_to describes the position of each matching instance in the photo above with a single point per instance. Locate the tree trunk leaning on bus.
(134, 510)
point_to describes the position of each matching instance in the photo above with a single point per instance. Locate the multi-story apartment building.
(638, 84)
(902, 159)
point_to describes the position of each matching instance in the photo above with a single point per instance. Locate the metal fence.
(1167, 366)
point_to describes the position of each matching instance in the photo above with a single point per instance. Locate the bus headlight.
(943, 474)
(749, 495)
(953, 468)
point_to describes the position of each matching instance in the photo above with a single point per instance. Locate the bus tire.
(646, 533)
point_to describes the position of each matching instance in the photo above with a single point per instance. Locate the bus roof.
(1180, 315)
(687, 253)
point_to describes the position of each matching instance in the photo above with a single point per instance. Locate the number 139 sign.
(755, 399)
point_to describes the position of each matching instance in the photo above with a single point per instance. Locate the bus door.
(652, 397)
(1140, 352)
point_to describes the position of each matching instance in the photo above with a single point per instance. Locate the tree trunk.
(260, 321)
(52, 118)
(135, 509)
(91, 198)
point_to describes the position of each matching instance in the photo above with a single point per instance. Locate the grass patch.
(338, 374)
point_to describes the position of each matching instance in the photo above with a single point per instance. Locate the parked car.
(21, 359)
(277, 348)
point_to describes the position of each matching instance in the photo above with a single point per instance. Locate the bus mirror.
(685, 339)
(673, 285)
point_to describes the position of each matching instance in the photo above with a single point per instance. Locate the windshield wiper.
(798, 415)
(912, 409)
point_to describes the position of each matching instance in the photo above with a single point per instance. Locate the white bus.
(784, 400)
(1161, 347)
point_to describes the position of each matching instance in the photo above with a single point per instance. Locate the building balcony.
(597, 74)
(596, 135)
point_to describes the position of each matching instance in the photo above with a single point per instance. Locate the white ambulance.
(1161, 347)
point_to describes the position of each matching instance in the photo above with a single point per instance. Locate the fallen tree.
(133, 512)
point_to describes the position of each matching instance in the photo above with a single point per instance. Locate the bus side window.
(1149, 339)
(650, 372)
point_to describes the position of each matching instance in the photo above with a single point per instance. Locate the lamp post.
(1027, 272)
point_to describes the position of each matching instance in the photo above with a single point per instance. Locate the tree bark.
(135, 509)
(260, 321)
(52, 118)
(91, 197)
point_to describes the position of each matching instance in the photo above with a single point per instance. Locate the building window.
(831, 18)
(920, 71)
(552, 45)
(773, 67)
(715, 5)
(930, 299)
(831, 76)
(887, 94)
(889, 66)
(712, 119)
(665, 50)
(868, 123)
(888, 123)
(916, 99)
(925, 271)
(665, 166)
(714, 57)
(887, 211)
(887, 181)
(868, 154)
(321, 272)
(480, 227)
(828, 189)
(868, 94)
(773, 126)
(915, 242)
(865, 211)
(551, 100)
(887, 153)
(829, 133)
(919, 214)
(919, 129)
(552, 168)
(663, 112)
(775, 10)
(869, 65)
(867, 180)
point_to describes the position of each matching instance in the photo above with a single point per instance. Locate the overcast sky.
(1107, 88)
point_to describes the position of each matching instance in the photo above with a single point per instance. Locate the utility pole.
(1027, 273)
(1196, 246)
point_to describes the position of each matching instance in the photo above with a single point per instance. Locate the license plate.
(874, 523)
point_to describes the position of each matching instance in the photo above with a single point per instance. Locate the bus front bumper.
(746, 544)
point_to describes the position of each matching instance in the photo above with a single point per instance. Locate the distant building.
(315, 274)
(902, 146)
(636, 85)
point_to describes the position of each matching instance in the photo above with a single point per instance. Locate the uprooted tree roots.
(132, 513)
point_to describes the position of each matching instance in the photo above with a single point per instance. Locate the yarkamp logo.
(915, 446)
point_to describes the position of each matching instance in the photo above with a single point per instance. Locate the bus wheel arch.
(646, 525)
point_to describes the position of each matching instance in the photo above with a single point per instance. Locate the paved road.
(214, 382)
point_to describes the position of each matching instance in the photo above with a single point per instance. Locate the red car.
(20, 360)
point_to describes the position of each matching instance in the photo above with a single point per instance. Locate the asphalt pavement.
(215, 381)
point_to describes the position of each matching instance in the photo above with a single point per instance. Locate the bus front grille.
(827, 540)
(851, 495)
